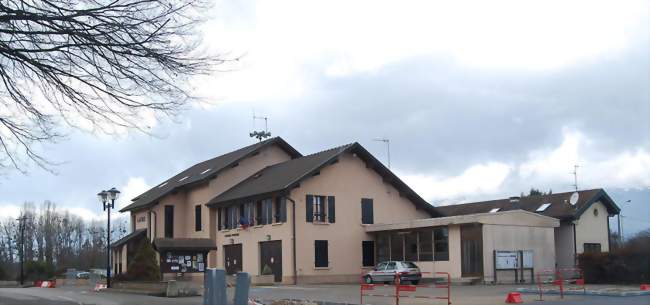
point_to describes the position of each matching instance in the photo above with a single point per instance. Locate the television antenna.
(262, 134)
(387, 142)
(575, 176)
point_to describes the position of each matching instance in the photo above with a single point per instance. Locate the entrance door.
(471, 251)
(233, 258)
(271, 255)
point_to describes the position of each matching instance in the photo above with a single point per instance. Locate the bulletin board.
(183, 262)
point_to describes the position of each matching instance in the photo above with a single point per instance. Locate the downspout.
(293, 239)
(575, 245)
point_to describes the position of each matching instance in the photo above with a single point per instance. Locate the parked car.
(386, 271)
(83, 275)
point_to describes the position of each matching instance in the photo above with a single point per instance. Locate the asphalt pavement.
(462, 295)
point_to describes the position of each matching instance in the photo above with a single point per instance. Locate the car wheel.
(415, 282)
(368, 279)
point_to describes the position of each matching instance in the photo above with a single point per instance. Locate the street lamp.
(107, 198)
(21, 224)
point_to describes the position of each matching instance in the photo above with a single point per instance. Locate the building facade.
(329, 217)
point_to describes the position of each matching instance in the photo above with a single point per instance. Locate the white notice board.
(507, 260)
(528, 259)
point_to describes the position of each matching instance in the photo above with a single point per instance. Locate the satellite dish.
(574, 198)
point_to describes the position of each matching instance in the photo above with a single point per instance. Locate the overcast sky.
(480, 100)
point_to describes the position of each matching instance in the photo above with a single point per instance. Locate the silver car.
(387, 271)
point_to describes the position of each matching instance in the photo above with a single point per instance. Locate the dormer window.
(163, 184)
(495, 210)
(179, 180)
(205, 171)
(543, 207)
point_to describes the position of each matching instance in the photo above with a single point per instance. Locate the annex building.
(266, 209)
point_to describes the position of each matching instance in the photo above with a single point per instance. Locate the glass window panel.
(441, 243)
(411, 246)
(383, 247)
(426, 245)
(397, 247)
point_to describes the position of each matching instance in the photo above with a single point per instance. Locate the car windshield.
(409, 265)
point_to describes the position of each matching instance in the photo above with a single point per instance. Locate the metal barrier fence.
(399, 288)
(563, 278)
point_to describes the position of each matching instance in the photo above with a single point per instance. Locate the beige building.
(330, 216)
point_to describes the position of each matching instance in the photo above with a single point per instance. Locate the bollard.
(207, 286)
(214, 281)
(242, 289)
(219, 288)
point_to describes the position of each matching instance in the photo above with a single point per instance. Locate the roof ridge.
(330, 149)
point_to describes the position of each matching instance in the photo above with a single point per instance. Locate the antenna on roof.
(387, 141)
(263, 134)
(575, 176)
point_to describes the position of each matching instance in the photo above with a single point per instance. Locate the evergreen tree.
(144, 266)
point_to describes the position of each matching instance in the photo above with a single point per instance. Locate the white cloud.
(9, 210)
(13, 211)
(543, 169)
(134, 187)
(284, 40)
(627, 169)
(477, 180)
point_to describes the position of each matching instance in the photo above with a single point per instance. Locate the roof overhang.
(184, 244)
(371, 162)
(139, 233)
(601, 196)
(290, 150)
(506, 218)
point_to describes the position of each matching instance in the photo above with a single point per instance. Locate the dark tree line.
(104, 65)
(55, 239)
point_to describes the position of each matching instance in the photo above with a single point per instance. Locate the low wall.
(9, 283)
(72, 282)
(167, 288)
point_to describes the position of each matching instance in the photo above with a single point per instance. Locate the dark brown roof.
(135, 234)
(204, 171)
(280, 178)
(559, 205)
(184, 244)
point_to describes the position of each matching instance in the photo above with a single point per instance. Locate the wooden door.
(271, 255)
(471, 251)
(233, 258)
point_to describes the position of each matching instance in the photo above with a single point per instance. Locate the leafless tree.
(98, 64)
(56, 238)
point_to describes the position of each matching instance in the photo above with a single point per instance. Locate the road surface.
(462, 295)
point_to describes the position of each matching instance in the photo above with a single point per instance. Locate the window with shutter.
(169, 221)
(367, 213)
(309, 208)
(283, 209)
(331, 209)
(197, 218)
(321, 258)
(368, 253)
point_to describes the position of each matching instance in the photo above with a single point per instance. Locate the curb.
(588, 292)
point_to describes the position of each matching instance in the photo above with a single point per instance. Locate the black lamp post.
(21, 225)
(107, 198)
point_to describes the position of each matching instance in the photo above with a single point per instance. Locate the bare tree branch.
(103, 63)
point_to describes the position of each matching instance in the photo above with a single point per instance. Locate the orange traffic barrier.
(514, 298)
(399, 288)
(561, 278)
